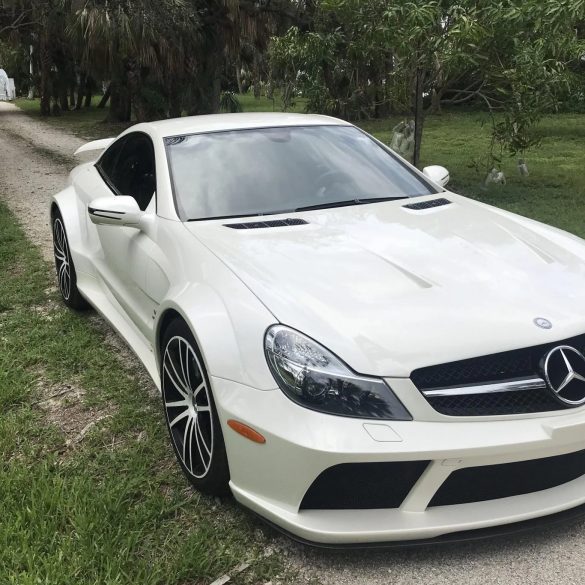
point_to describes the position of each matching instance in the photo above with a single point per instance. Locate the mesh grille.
(490, 369)
(251, 225)
(522, 402)
(428, 204)
(491, 482)
(359, 486)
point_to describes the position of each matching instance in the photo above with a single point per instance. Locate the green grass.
(554, 192)
(110, 506)
(263, 104)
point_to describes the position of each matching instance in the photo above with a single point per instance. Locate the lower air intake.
(361, 486)
(492, 482)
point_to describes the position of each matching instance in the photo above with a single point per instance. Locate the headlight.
(313, 377)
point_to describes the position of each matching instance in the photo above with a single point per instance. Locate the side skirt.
(109, 308)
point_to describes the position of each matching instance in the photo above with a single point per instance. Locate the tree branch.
(21, 21)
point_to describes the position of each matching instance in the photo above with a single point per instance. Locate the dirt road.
(34, 162)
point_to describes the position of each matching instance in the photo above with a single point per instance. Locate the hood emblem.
(542, 323)
(564, 372)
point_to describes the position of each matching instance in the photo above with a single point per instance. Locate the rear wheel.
(190, 411)
(66, 276)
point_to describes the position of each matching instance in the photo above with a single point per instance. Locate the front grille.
(360, 486)
(491, 482)
(498, 367)
(519, 402)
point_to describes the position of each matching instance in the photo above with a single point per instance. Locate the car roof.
(226, 122)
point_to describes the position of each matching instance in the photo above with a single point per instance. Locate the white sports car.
(359, 355)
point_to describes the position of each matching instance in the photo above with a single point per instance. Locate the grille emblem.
(542, 323)
(564, 371)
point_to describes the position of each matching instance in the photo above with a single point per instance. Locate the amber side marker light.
(246, 431)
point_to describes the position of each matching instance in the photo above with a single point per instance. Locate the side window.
(133, 170)
(108, 160)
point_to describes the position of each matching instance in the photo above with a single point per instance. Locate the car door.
(128, 168)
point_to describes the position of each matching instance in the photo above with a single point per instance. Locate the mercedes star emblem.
(564, 372)
(542, 323)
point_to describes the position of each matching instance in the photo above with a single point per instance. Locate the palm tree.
(142, 46)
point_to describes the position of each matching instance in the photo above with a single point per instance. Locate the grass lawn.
(89, 489)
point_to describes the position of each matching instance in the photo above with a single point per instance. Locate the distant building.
(6, 87)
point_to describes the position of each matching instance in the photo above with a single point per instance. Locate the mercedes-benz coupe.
(356, 353)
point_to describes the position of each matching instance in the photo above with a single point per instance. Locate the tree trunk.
(256, 75)
(72, 95)
(45, 81)
(105, 97)
(80, 91)
(31, 87)
(63, 98)
(239, 77)
(435, 102)
(120, 105)
(437, 93)
(134, 85)
(418, 115)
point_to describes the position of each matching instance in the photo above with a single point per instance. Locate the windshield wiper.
(349, 202)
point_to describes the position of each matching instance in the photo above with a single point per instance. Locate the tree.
(363, 58)
(138, 45)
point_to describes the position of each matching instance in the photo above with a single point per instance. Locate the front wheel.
(66, 276)
(190, 412)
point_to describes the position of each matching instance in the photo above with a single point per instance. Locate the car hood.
(390, 289)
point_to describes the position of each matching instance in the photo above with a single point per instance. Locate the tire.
(66, 275)
(190, 412)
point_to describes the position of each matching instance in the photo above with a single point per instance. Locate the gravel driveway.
(34, 162)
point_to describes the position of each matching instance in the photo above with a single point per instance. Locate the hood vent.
(428, 204)
(252, 225)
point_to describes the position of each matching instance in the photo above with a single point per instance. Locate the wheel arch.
(167, 316)
(54, 209)
(231, 347)
(71, 209)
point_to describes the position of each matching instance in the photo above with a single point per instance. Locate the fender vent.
(428, 204)
(253, 225)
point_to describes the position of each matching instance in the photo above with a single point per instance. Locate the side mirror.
(437, 174)
(115, 210)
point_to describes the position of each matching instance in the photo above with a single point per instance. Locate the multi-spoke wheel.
(190, 411)
(66, 276)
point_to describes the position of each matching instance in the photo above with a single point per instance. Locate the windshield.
(276, 170)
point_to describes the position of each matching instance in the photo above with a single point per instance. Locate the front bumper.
(272, 479)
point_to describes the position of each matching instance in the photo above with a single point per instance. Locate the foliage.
(159, 57)
(229, 103)
(368, 58)
(357, 59)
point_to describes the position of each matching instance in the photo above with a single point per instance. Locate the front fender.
(229, 328)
